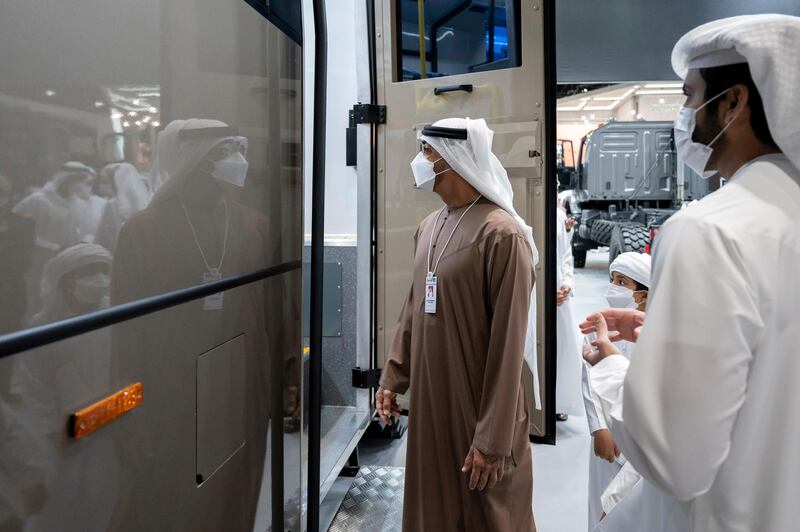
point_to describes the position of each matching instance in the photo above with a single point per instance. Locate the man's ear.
(736, 102)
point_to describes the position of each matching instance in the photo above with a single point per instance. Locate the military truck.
(628, 180)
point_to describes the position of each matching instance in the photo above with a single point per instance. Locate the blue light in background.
(500, 42)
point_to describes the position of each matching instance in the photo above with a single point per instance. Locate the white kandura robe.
(568, 365)
(631, 502)
(711, 406)
(601, 472)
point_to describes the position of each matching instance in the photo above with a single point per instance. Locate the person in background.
(128, 192)
(64, 214)
(568, 391)
(16, 248)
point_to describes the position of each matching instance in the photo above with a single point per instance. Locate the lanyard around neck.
(432, 268)
(197, 241)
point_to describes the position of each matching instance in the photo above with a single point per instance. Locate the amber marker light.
(105, 410)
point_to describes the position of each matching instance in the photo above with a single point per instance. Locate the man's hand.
(604, 445)
(623, 324)
(485, 471)
(562, 295)
(605, 347)
(569, 224)
(386, 404)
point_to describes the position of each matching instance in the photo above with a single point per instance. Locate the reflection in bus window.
(458, 37)
(111, 192)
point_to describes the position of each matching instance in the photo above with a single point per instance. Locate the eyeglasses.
(228, 147)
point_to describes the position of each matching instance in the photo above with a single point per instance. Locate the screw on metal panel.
(380, 327)
(538, 193)
(536, 8)
(538, 104)
(378, 35)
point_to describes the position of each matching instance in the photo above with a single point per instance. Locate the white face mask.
(92, 290)
(695, 154)
(620, 297)
(424, 174)
(232, 169)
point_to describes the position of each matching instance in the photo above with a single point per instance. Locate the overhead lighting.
(153, 109)
(50, 93)
(591, 116)
(583, 117)
(633, 112)
(639, 116)
(126, 124)
(156, 123)
(132, 113)
(98, 104)
(138, 123)
(136, 101)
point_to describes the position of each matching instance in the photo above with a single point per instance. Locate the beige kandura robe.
(464, 369)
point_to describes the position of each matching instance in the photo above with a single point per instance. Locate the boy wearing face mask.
(628, 288)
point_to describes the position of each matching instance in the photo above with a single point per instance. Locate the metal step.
(374, 501)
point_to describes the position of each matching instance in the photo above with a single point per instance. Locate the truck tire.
(579, 257)
(626, 237)
(601, 230)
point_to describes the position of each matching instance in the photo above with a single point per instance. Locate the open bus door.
(467, 59)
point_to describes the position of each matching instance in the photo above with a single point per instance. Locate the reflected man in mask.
(713, 388)
(194, 232)
(461, 342)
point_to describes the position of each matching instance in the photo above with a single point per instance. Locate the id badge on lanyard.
(214, 301)
(430, 294)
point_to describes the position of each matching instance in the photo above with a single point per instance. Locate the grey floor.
(560, 471)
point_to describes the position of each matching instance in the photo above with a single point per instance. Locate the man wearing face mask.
(63, 214)
(195, 231)
(459, 348)
(718, 352)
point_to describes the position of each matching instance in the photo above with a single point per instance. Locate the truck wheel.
(601, 231)
(627, 237)
(579, 257)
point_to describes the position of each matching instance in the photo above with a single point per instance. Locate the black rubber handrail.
(17, 342)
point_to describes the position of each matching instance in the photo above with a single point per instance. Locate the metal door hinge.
(366, 378)
(365, 113)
